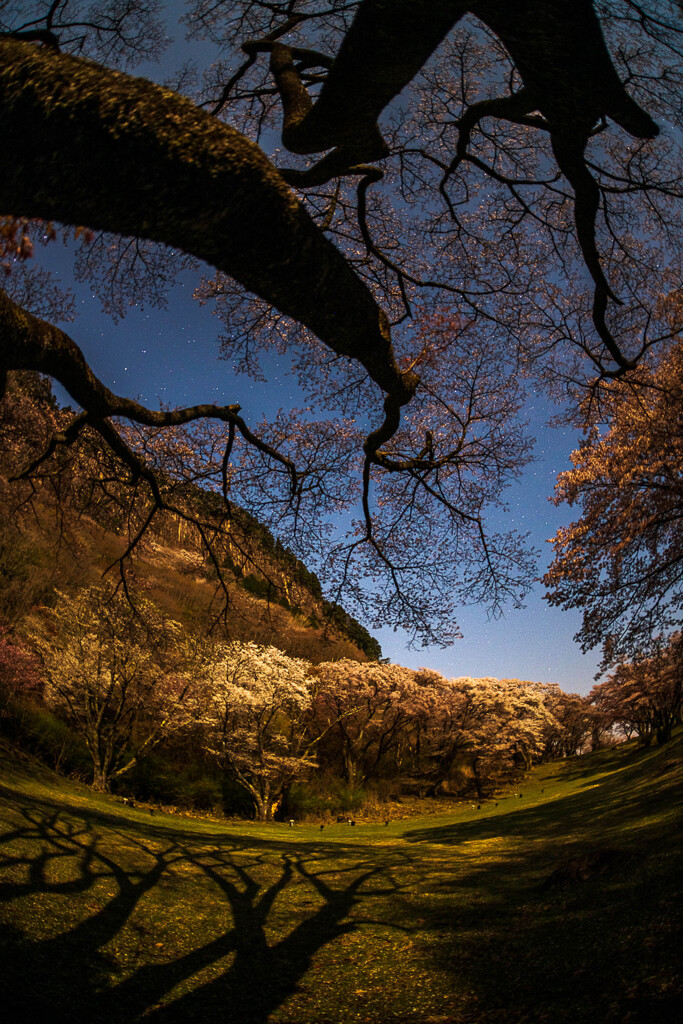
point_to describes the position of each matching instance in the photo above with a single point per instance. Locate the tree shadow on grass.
(88, 965)
(580, 920)
(88, 904)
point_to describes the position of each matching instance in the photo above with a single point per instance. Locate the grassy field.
(560, 902)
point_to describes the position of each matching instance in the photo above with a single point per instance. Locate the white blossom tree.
(119, 672)
(255, 719)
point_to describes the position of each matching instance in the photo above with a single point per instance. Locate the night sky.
(171, 356)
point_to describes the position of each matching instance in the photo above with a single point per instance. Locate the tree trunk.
(349, 768)
(263, 801)
(261, 808)
(100, 782)
(477, 777)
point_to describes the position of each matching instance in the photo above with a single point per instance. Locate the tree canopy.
(645, 697)
(621, 561)
(467, 196)
(122, 675)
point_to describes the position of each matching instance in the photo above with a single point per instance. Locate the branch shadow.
(64, 968)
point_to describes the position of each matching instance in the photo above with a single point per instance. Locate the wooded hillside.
(65, 533)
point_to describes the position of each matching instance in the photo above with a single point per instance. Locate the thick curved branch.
(570, 156)
(84, 133)
(29, 343)
(515, 107)
(570, 85)
(334, 165)
(297, 104)
(385, 47)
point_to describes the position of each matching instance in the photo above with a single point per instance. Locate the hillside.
(557, 902)
(279, 603)
(72, 522)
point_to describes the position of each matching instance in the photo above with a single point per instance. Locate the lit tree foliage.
(451, 718)
(258, 700)
(119, 673)
(511, 720)
(575, 720)
(385, 720)
(20, 674)
(364, 709)
(464, 191)
(621, 562)
(645, 697)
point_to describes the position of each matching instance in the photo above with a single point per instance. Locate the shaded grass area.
(559, 904)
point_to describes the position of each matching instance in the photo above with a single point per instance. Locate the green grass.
(559, 905)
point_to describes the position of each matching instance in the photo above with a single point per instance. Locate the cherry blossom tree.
(574, 724)
(20, 674)
(120, 674)
(450, 715)
(621, 561)
(364, 710)
(385, 720)
(495, 727)
(466, 193)
(645, 696)
(255, 721)
(511, 718)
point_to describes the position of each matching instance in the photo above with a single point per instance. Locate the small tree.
(645, 697)
(258, 702)
(365, 708)
(119, 673)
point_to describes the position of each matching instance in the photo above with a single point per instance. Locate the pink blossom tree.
(366, 708)
(646, 696)
(20, 674)
(495, 726)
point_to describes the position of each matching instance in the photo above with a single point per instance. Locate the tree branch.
(85, 131)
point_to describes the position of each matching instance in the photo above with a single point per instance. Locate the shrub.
(204, 793)
(49, 739)
(304, 802)
(194, 786)
(322, 798)
(153, 779)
